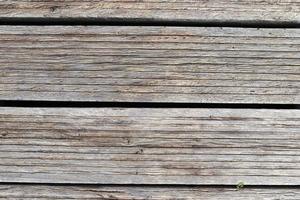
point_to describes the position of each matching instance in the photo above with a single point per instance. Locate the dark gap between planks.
(79, 104)
(153, 185)
(140, 22)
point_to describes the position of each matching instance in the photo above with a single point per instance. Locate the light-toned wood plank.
(250, 11)
(143, 193)
(150, 64)
(150, 146)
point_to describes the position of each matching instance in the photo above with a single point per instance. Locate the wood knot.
(54, 8)
(141, 151)
(4, 134)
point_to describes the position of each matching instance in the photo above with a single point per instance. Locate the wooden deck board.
(143, 193)
(150, 64)
(150, 146)
(249, 11)
(150, 153)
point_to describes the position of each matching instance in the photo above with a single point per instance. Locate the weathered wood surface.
(150, 64)
(250, 11)
(143, 193)
(150, 146)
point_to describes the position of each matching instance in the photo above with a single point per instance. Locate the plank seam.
(31, 21)
(84, 104)
(152, 185)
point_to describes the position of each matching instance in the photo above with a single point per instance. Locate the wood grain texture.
(250, 11)
(143, 193)
(150, 64)
(150, 146)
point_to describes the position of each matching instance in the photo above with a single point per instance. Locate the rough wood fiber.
(150, 64)
(150, 146)
(144, 193)
(251, 11)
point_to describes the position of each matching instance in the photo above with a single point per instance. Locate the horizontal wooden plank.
(143, 193)
(250, 11)
(150, 146)
(150, 64)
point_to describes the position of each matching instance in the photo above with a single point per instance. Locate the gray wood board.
(249, 11)
(150, 146)
(150, 64)
(143, 193)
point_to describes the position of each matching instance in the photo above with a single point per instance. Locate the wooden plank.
(143, 193)
(150, 64)
(250, 11)
(150, 146)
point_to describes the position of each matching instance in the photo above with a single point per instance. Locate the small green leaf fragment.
(240, 185)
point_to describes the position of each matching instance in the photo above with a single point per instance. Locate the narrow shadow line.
(79, 104)
(142, 22)
(153, 185)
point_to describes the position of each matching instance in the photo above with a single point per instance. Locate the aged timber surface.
(150, 64)
(150, 146)
(143, 193)
(249, 11)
